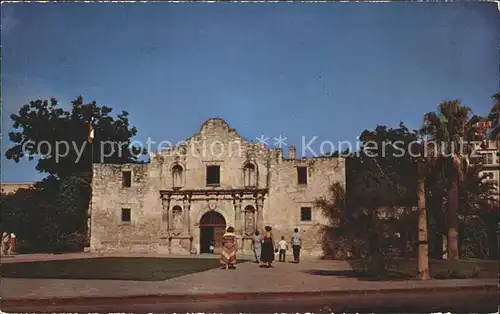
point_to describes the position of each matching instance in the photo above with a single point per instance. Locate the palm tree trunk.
(434, 207)
(453, 218)
(423, 246)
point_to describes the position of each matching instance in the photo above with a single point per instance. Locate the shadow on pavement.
(386, 276)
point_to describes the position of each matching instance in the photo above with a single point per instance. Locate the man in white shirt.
(283, 246)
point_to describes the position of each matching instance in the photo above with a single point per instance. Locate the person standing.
(283, 245)
(257, 246)
(229, 247)
(5, 243)
(12, 244)
(296, 245)
(267, 254)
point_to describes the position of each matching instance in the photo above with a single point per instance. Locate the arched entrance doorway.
(212, 228)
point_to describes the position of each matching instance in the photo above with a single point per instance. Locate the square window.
(302, 175)
(213, 175)
(305, 214)
(126, 215)
(126, 179)
(488, 158)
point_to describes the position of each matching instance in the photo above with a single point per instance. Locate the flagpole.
(91, 140)
(91, 192)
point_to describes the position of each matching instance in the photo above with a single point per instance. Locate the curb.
(238, 296)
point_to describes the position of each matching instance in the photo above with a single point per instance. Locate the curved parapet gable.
(218, 128)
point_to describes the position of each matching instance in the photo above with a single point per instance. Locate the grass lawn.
(440, 269)
(112, 268)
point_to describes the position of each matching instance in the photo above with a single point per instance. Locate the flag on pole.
(91, 131)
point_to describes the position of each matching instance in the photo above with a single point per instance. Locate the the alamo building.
(186, 196)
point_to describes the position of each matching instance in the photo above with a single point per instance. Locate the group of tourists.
(264, 247)
(8, 243)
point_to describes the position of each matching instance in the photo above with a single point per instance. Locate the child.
(283, 246)
(212, 248)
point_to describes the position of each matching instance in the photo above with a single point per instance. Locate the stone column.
(186, 213)
(238, 225)
(260, 215)
(170, 218)
(165, 219)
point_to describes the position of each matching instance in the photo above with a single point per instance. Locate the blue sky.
(298, 69)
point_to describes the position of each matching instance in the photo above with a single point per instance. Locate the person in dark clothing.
(296, 245)
(267, 254)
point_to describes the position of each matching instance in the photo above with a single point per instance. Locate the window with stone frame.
(177, 176)
(302, 175)
(126, 179)
(126, 215)
(249, 175)
(305, 214)
(213, 175)
(488, 158)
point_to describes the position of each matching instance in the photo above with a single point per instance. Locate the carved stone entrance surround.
(250, 197)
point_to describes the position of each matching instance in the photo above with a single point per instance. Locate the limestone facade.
(13, 187)
(186, 196)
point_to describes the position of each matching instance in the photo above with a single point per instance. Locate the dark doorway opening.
(212, 228)
(206, 237)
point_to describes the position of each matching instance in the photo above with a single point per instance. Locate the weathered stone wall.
(156, 190)
(12, 187)
(215, 144)
(108, 199)
(286, 197)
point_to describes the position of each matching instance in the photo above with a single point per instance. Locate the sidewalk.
(248, 279)
(38, 257)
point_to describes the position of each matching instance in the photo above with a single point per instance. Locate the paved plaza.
(309, 276)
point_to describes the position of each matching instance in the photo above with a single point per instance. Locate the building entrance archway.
(212, 228)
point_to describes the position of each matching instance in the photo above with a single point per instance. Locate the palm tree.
(446, 129)
(423, 236)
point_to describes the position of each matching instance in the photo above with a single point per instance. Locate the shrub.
(458, 269)
(74, 242)
(474, 239)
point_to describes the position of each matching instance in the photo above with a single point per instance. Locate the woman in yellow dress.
(229, 247)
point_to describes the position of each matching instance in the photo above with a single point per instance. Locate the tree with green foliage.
(42, 126)
(446, 131)
(52, 216)
(477, 195)
(478, 206)
(494, 117)
(381, 174)
(384, 168)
